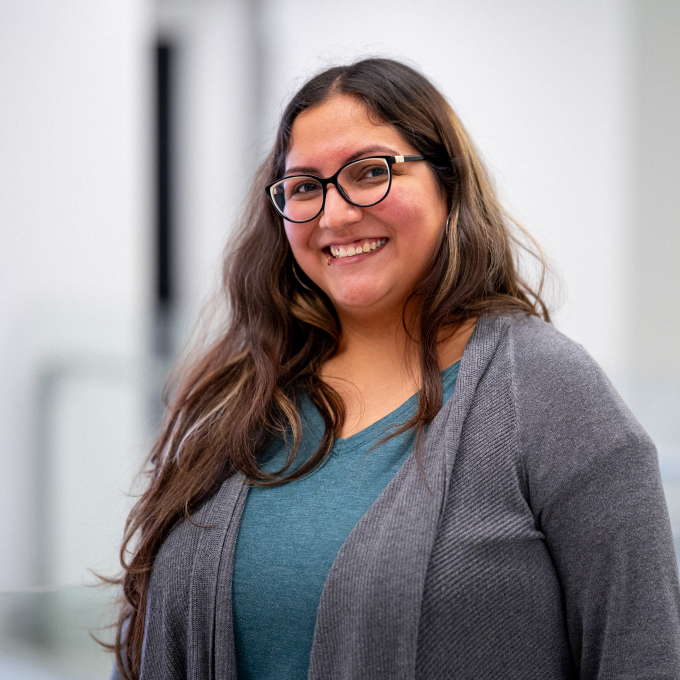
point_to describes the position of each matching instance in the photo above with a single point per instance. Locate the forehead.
(331, 133)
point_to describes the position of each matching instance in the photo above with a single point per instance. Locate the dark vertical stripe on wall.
(165, 264)
(164, 172)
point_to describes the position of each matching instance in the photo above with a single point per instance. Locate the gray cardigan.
(537, 545)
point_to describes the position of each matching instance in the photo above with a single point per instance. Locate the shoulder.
(593, 485)
(573, 428)
(549, 372)
(537, 364)
(534, 345)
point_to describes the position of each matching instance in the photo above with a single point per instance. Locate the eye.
(369, 171)
(302, 188)
(374, 172)
(305, 187)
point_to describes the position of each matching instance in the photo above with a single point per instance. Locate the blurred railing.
(92, 435)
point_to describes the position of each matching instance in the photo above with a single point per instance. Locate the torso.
(464, 576)
(290, 535)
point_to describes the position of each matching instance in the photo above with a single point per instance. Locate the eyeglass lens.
(364, 182)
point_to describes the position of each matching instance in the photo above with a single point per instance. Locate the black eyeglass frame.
(325, 181)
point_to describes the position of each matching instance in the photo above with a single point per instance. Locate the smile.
(356, 248)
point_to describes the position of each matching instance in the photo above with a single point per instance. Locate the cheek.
(410, 218)
(298, 238)
(398, 212)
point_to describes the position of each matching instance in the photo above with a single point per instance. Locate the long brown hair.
(243, 391)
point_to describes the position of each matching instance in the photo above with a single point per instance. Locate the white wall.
(75, 248)
(652, 386)
(656, 264)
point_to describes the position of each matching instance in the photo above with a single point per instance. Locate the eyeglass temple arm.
(406, 159)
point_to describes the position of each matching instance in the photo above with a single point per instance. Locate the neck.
(377, 366)
(376, 346)
(374, 336)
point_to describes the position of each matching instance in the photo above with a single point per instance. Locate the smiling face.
(399, 234)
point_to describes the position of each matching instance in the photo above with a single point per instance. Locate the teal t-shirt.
(291, 534)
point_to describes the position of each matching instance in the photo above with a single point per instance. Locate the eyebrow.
(366, 151)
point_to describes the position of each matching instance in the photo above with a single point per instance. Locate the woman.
(388, 465)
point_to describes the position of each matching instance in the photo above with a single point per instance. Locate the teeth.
(340, 251)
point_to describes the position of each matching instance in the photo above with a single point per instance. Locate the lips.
(356, 248)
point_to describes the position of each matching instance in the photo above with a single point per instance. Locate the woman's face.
(409, 220)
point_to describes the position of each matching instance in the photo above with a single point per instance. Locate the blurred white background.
(574, 104)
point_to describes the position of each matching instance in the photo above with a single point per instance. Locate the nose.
(337, 212)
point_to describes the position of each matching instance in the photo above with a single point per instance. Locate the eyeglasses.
(364, 182)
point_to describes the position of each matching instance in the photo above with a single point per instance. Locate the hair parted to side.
(243, 392)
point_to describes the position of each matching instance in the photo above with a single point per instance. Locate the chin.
(358, 300)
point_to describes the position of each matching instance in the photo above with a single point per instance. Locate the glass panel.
(48, 635)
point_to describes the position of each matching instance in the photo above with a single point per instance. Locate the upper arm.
(595, 491)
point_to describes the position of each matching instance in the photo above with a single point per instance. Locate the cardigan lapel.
(206, 601)
(367, 620)
(223, 642)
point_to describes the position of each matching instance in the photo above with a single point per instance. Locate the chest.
(288, 539)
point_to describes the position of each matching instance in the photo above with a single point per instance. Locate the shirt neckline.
(369, 432)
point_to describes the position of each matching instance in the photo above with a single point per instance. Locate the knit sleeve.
(595, 490)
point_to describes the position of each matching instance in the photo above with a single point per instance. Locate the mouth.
(356, 248)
